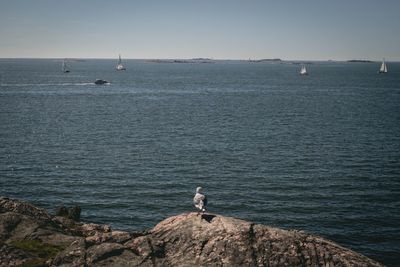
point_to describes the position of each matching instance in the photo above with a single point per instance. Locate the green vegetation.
(40, 251)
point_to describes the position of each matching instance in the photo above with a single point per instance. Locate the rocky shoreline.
(29, 236)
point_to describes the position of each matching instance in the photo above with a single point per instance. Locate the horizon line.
(211, 59)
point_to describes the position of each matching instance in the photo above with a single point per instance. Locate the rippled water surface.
(318, 153)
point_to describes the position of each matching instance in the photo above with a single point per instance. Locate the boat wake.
(43, 84)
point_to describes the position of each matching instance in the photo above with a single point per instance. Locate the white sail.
(383, 68)
(119, 65)
(64, 66)
(303, 70)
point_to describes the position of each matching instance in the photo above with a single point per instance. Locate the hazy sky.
(235, 29)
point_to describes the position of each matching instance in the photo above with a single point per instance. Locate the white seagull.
(200, 200)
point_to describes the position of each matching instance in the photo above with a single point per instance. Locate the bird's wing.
(197, 199)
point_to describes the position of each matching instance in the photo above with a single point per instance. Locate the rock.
(16, 227)
(73, 213)
(103, 251)
(62, 211)
(113, 236)
(214, 240)
(73, 256)
(56, 239)
(10, 256)
(29, 235)
(20, 207)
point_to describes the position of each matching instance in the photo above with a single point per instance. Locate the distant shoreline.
(360, 61)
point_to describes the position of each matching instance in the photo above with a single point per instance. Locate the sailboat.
(383, 68)
(119, 65)
(64, 67)
(303, 70)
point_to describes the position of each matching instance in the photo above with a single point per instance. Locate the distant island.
(266, 60)
(359, 61)
(201, 58)
(300, 63)
(184, 61)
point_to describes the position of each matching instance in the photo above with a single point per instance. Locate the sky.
(220, 29)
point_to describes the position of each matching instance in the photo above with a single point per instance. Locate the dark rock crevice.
(252, 244)
(202, 245)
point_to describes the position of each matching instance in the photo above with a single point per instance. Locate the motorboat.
(100, 82)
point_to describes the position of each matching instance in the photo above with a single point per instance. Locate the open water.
(318, 153)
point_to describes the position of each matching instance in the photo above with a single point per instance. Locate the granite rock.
(29, 235)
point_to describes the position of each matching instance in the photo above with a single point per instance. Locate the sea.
(319, 153)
